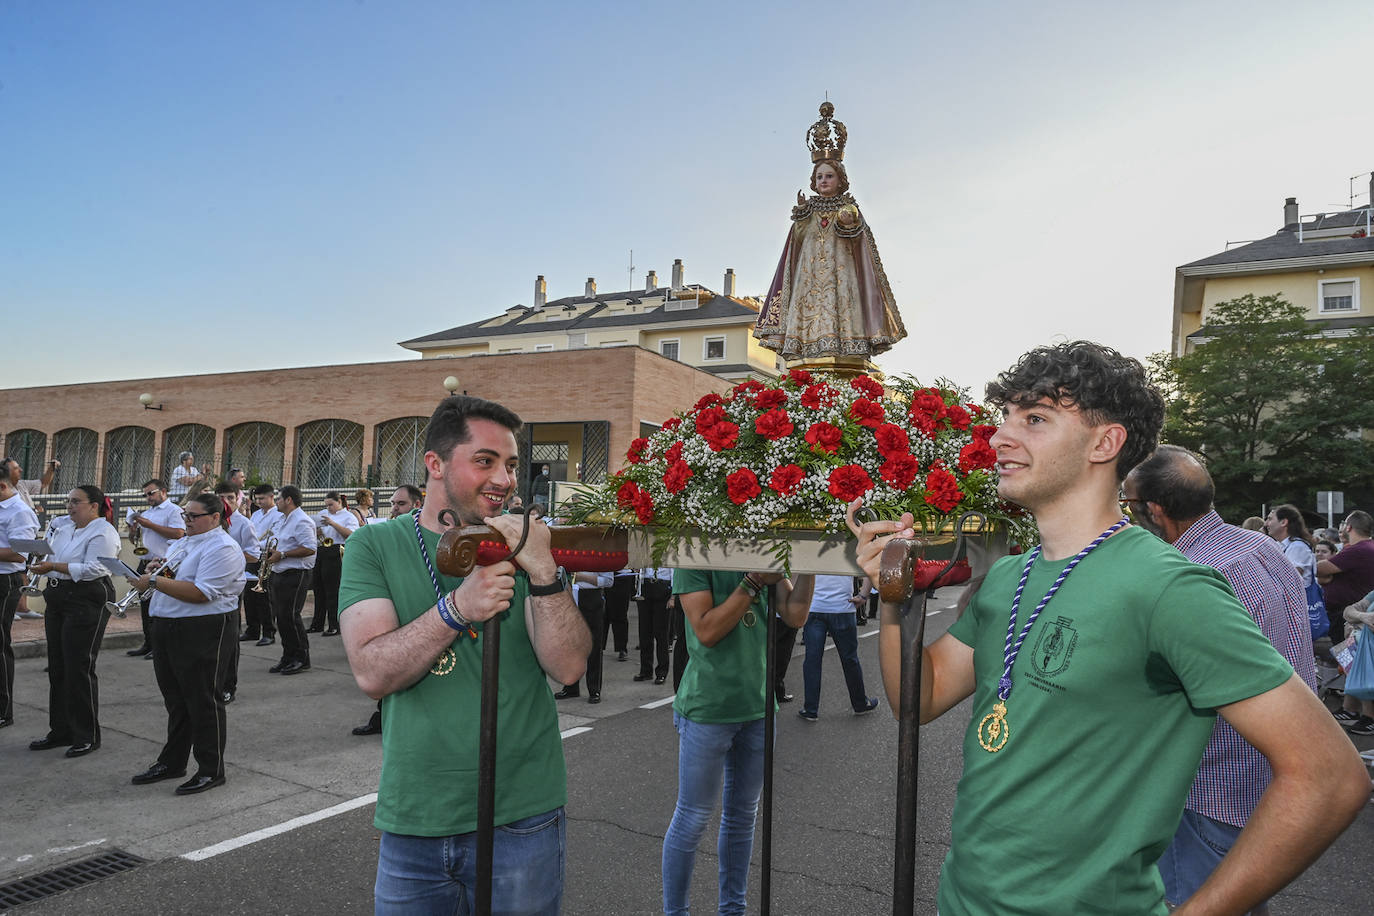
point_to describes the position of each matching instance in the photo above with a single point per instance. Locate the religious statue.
(829, 303)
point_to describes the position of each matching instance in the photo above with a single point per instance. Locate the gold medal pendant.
(445, 663)
(998, 731)
(749, 618)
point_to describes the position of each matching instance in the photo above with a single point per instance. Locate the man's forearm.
(560, 636)
(399, 658)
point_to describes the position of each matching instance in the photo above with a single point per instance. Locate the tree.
(1278, 408)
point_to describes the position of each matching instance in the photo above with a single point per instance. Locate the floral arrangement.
(795, 452)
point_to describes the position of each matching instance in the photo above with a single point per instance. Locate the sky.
(221, 186)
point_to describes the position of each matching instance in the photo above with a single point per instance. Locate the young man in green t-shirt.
(1094, 697)
(413, 638)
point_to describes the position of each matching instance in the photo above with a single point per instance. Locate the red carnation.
(677, 475)
(867, 413)
(722, 436)
(983, 432)
(819, 396)
(958, 417)
(674, 452)
(942, 490)
(644, 508)
(709, 417)
(709, 400)
(848, 483)
(626, 495)
(775, 424)
(637, 449)
(786, 479)
(824, 437)
(672, 423)
(742, 486)
(892, 440)
(799, 376)
(772, 397)
(929, 400)
(924, 423)
(865, 384)
(748, 386)
(899, 471)
(977, 454)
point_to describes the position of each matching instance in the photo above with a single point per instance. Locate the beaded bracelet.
(751, 588)
(452, 616)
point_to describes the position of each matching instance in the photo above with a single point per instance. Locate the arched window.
(189, 437)
(76, 448)
(128, 458)
(259, 449)
(329, 453)
(30, 448)
(401, 451)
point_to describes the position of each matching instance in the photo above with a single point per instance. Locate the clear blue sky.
(323, 179)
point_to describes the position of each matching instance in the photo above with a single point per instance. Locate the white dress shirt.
(16, 521)
(168, 515)
(214, 562)
(296, 530)
(81, 548)
(343, 517)
(603, 580)
(179, 477)
(241, 530)
(265, 523)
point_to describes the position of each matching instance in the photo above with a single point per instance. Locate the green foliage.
(1277, 408)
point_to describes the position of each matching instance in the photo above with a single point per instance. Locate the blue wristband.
(452, 616)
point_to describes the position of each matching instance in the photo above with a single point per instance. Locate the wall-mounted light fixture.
(146, 400)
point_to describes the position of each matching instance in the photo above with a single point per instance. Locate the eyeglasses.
(149, 494)
(80, 502)
(195, 514)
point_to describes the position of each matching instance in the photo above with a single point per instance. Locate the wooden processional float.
(911, 572)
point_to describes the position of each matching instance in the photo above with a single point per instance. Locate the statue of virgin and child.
(829, 302)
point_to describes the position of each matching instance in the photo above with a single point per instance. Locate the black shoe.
(156, 773)
(266, 641)
(785, 697)
(144, 649)
(314, 629)
(45, 743)
(368, 729)
(276, 669)
(199, 783)
(6, 721)
(861, 620)
(593, 698)
(643, 677)
(227, 697)
(1363, 726)
(80, 750)
(296, 668)
(249, 637)
(622, 656)
(332, 631)
(567, 693)
(660, 679)
(148, 657)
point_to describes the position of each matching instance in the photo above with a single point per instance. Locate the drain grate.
(75, 874)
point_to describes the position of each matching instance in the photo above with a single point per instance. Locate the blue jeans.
(842, 629)
(707, 754)
(1197, 849)
(438, 875)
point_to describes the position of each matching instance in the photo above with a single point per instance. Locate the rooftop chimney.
(728, 287)
(541, 292)
(590, 291)
(651, 281)
(1290, 211)
(677, 274)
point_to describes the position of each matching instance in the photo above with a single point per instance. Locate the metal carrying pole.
(486, 764)
(769, 718)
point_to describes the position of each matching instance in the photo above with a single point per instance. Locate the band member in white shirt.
(257, 606)
(292, 563)
(589, 594)
(27, 490)
(16, 521)
(192, 631)
(656, 585)
(241, 530)
(161, 523)
(78, 588)
(335, 523)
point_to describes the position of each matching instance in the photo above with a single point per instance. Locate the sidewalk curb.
(38, 648)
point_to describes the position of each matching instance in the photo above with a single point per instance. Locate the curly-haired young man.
(1089, 719)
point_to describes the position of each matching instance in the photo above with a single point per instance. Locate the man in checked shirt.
(1170, 493)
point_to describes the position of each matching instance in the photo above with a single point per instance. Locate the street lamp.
(451, 384)
(146, 400)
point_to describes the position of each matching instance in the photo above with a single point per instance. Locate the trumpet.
(121, 607)
(265, 567)
(136, 537)
(33, 588)
(639, 586)
(326, 539)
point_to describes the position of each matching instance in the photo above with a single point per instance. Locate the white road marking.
(285, 826)
(657, 703)
(565, 735)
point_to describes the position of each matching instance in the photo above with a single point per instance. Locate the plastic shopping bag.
(1316, 611)
(1359, 681)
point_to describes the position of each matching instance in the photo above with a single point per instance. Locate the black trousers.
(653, 627)
(617, 621)
(74, 624)
(288, 597)
(257, 608)
(328, 569)
(229, 661)
(143, 603)
(188, 654)
(592, 603)
(679, 632)
(10, 583)
(784, 641)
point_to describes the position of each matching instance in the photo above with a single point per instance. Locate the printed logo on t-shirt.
(1054, 648)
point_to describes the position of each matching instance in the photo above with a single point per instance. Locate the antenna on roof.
(631, 284)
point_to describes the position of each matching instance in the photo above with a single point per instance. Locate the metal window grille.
(76, 448)
(259, 449)
(401, 451)
(128, 458)
(30, 448)
(596, 450)
(329, 453)
(189, 437)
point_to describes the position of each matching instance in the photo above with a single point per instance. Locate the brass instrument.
(121, 607)
(136, 536)
(264, 566)
(32, 588)
(639, 586)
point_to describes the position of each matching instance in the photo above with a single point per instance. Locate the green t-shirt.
(1114, 698)
(430, 730)
(725, 682)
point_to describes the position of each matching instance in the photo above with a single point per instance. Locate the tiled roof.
(1284, 244)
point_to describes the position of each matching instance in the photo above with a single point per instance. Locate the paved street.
(291, 756)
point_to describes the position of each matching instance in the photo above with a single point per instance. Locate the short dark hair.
(225, 487)
(1297, 527)
(156, 482)
(292, 493)
(264, 488)
(414, 491)
(1106, 386)
(1360, 522)
(1177, 481)
(1330, 545)
(448, 426)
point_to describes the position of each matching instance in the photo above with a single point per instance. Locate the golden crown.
(827, 137)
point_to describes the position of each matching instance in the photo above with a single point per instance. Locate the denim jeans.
(842, 629)
(1198, 847)
(706, 756)
(438, 875)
